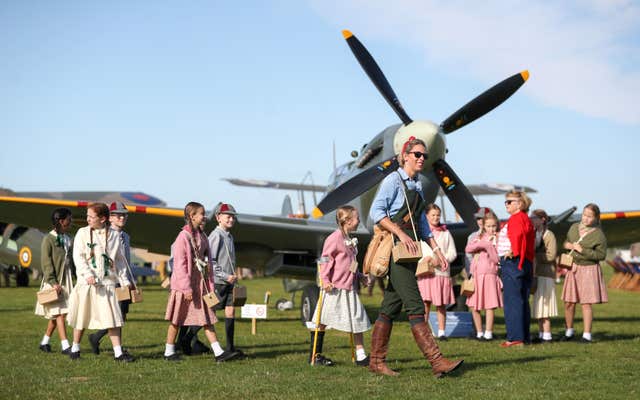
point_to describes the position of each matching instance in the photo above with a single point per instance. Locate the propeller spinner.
(431, 134)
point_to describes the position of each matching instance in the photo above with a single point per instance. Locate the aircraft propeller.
(454, 189)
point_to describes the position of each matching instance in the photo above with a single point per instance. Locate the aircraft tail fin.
(287, 208)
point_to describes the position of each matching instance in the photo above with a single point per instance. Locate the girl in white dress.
(100, 263)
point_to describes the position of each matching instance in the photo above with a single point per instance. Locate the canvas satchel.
(47, 296)
(566, 259)
(468, 287)
(124, 293)
(376, 259)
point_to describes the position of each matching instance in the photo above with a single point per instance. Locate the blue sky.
(168, 97)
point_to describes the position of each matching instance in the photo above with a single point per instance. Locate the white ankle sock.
(586, 335)
(217, 350)
(75, 348)
(64, 344)
(45, 340)
(440, 332)
(488, 334)
(169, 349)
(360, 354)
(479, 334)
(546, 336)
(569, 332)
(117, 351)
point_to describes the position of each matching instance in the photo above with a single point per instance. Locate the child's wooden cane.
(319, 309)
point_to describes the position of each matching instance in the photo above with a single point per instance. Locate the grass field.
(609, 368)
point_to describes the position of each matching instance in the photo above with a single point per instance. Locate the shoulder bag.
(239, 292)
(566, 259)
(400, 252)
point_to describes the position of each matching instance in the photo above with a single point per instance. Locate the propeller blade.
(375, 74)
(355, 186)
(484, 103)
(458, 194)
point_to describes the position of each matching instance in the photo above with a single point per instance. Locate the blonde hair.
(407, 147)
(343, 215)
(525, 200)
(487, 216)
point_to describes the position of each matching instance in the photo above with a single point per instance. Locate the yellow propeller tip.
(316, 213)
(525, 74)
(347, 33)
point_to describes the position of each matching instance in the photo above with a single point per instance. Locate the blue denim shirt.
(390, 198)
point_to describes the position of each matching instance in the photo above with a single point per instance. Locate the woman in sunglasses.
(397, 207)
(516, 249)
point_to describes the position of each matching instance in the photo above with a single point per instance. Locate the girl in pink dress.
(191, 278)
(437, 289)
(484, 270)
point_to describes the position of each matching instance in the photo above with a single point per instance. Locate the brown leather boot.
(427, 344)
(379, 347)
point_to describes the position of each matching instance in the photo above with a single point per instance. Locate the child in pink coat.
(191, 279)
(484, 270)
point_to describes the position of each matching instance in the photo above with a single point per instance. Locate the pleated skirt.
(545, 304)
(488, 293)
(94, 307)
(189, 313)
(342, 310)
(585, 284)
(438, 290)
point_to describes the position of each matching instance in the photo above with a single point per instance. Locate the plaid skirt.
(585, 284)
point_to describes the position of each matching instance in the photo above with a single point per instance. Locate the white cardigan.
(82, 257)
(448, 248)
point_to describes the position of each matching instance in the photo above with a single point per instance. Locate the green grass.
(277, 367)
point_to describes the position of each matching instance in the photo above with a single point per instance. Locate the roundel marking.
(24, 255)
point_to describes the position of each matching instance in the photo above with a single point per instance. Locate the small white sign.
(258, 311)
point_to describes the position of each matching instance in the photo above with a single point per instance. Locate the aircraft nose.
(426, 131)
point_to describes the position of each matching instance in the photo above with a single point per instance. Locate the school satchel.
(47, 296)
(376, 259)
(468, 287)
(428, 262)
(239, 296)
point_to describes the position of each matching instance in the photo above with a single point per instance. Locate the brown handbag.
(47, 296)
(210, 299)
(468, 287)
(376, 259)
(239, 295)
(124, 293)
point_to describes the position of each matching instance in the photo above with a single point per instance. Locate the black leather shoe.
(124, 357)
(442, 338)
(173, 357)
(324, 361)
(565, 338)
(363, 363)
(45, 347)
(66, 351)
(74, 355)
(226, 356)
(240, 355)
(585, 341)
(94, 341)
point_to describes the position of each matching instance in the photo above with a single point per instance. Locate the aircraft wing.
(275, 185)
(494, 188)
(259, 239)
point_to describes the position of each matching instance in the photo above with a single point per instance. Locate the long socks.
(229, 328)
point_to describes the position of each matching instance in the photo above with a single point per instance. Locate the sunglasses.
(418, 154)
(507, 202)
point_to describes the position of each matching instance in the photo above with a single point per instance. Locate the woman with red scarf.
(516, 249)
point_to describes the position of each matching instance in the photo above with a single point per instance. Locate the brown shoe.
(427, 344)
(379, 348)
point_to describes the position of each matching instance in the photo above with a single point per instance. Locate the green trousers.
(402, 290)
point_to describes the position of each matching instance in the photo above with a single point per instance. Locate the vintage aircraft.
(20, 244)
(290, 246)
